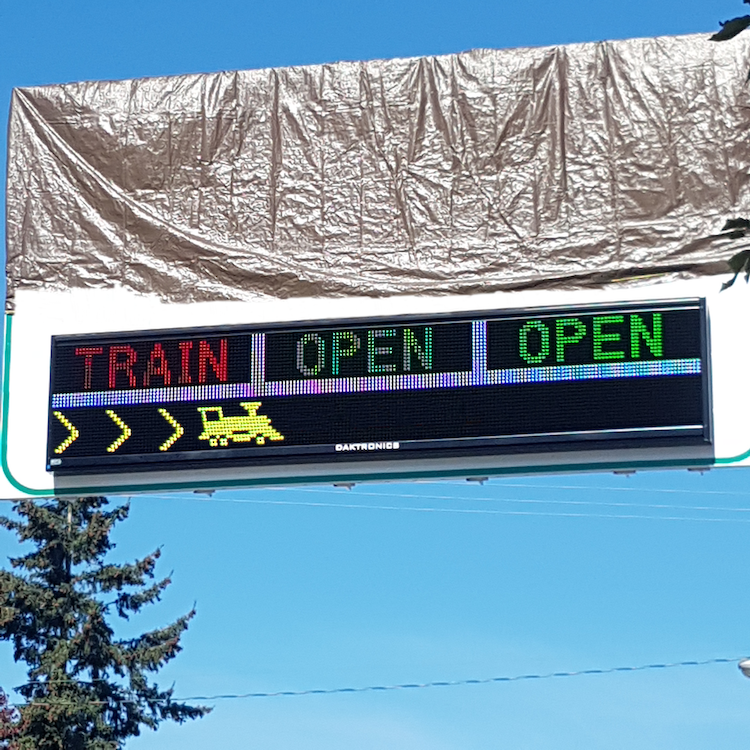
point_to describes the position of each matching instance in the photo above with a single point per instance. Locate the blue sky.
(296, 589)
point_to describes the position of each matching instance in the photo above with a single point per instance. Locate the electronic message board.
(415, 386)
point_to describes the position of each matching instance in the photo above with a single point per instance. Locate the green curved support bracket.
(4, 413)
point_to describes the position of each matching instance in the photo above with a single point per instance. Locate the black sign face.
(534, 380)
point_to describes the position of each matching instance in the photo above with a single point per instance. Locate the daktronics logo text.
(388, 446)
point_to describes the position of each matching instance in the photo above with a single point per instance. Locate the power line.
(520, 501)
(594, 503)
(469, 511)
(418, 685)
(455, 683)
(607, 488)
(500, 485)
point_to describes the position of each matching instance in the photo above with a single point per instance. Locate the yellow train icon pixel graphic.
(219, 430)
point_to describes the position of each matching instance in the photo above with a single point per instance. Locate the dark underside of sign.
(411, 387)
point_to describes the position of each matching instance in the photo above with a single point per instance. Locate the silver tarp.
(486, 170)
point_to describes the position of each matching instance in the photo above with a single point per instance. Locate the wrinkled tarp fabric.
(487, 170)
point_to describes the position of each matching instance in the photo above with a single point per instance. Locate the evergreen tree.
(87, 690)
(9, 723)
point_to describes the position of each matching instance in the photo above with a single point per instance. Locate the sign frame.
(501, 446)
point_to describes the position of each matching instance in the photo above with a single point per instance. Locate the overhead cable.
(455, 683)
(420, 685)
(468, 511)
(536, 501)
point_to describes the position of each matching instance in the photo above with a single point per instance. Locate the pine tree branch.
(132, 603)
(150, 651)
(116, 577)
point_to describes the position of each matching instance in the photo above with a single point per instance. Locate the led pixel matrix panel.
(443, 385)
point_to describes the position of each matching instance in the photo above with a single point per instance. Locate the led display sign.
(445, 385)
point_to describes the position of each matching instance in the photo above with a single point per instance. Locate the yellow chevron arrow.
(126, 431)
(71, 428)
(179, 430)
